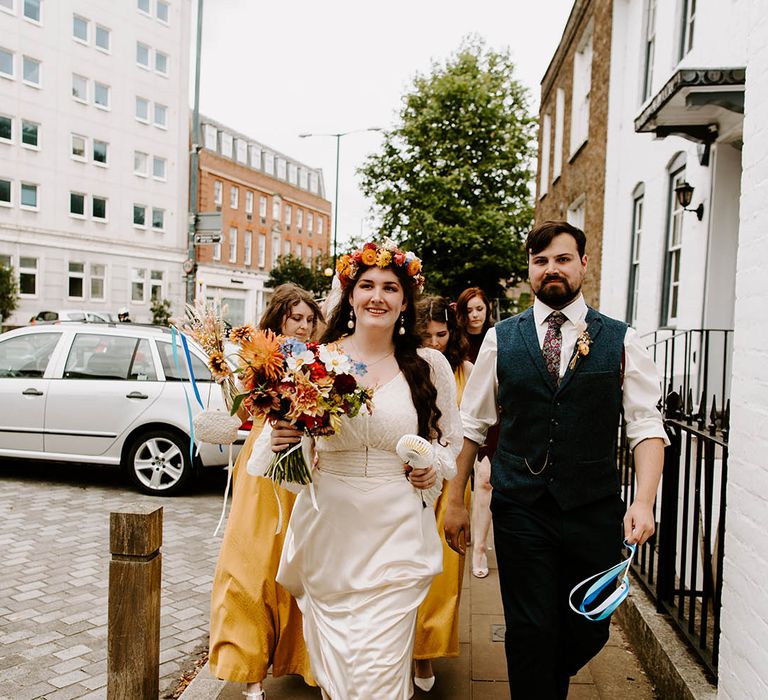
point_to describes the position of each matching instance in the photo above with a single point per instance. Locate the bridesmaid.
(437, 621)
(473, 312)
(255, 622)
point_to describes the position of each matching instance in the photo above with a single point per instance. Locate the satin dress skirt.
(359, 566)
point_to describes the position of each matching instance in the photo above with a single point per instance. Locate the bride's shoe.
(425, 684)
(480, 565)
(255, 694)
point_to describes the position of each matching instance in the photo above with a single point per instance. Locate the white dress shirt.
(640, 391)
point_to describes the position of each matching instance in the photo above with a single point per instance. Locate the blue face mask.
(600, 582)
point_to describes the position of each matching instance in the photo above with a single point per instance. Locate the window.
(76, 204)
(303, 178)
(255, 157)
(217, 251)
(31, 71)
(218, 188)
(99, 208)
(76, 286)
(649, 48)
(575, 215)
(276, 209)
(139, 215)
(275, 249)
(688, 8)
(557, 156)
(162, 10)
(320, 225)
(582, 87)
(143, 6)
(161, 62)
(249, 202)
(6, 63)
(226, 144)
(138, 276)
(263, 207)
(298, 251)
(119, 358)
(142, 109)
(97, 281)
(234, 197)
(103, 38)
(280, 168)
(288, 215)
(634, 258)
(241, 151)
(28, 196)
(100, 151)
(27, 355)
(79, 88)
(202, 373)
(286, 247)
(6, 129)
(158, 219)
(310, 255)
(232, 244)
(546, 130)
(310, 222)
(27, 276)
(101, 95)
(158, 168)
(140, 163)
(80, 29)
(209, 136)
(262, 250)
(269, 163)
(78, 147)
(671, 291)
(161, 115)
(142, 54)
(32, 9)
(299, 218)
(293, 177)
(5, 192)
(156, 285)
(30, 133)
(247, 247)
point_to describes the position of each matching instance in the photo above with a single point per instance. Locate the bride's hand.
(284, 435)
(423, 478)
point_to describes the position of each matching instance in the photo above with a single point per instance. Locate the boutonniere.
(583, 341)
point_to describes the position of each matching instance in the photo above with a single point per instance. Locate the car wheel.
(158, 462)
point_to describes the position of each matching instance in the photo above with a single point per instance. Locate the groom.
(557, 378)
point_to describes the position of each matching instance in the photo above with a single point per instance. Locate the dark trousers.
(542, 553)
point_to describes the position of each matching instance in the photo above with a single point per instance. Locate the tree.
(161, 312)
(452, 179)
(290, 268)
(9, 292)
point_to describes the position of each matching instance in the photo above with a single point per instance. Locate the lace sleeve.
(449, 445)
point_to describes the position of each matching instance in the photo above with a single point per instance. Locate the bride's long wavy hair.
(415, 369)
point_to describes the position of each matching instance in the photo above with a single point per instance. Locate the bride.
(361, 562)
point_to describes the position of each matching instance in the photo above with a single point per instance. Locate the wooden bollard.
(133, 634)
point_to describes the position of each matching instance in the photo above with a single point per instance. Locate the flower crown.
(385, 255)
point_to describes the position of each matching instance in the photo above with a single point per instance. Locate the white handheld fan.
(416, 451)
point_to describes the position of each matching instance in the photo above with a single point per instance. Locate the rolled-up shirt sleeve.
(478, 404)
(641, 393)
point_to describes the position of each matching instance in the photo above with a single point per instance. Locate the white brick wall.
(744, 642)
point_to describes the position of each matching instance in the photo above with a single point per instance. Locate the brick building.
(573, 120)
(271, 205)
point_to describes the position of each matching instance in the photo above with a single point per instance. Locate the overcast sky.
(273, 70)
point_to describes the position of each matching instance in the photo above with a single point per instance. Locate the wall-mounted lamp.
(684, 194)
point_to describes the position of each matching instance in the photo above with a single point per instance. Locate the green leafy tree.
(290, 268)
(161, 312)
(451, 181)
(9, 292)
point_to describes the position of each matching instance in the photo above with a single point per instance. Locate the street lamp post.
(338, 136)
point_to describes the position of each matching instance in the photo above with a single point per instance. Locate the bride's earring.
(401, 330)
(351, 322)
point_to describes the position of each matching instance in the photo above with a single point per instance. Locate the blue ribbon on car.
(600, 583)
(191, 374)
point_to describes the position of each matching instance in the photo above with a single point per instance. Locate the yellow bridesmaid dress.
(255, 622)
(437, 620)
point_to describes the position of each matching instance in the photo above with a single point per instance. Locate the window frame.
(75, 97)
(164, 161)
(99, 163)
(12, 74)
(232, 241)
(143, 208)
(26, 270)
(145, 171)
(100, 219)
(164, 110)
(108, 32)
(161, 211)
(29, 207)
(31, 146)
(581, 87)
(9, 203)
(87, 23)
(108, 106)
(72, 155)
(39, 20)
(633, 287)
(140, 45)
(673, 251)
(138, 101)
(167, 58)
(247, 248)
(167, 20)
(77, 215)
(94, 276)
(139, 279)
(39, 84)
(11, 120)
(75, 275)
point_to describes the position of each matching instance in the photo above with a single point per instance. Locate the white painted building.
(94, 129)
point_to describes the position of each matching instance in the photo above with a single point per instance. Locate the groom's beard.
(557, 292)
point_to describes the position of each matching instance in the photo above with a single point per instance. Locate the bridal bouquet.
(309, 384)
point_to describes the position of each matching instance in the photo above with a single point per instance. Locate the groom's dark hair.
(542, 234)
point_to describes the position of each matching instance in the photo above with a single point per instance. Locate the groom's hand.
(457, 530)
(639, 523)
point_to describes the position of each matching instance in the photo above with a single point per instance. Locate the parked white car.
(73, 315)
(104, 394)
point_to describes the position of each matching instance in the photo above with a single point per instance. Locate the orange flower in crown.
(385, 255)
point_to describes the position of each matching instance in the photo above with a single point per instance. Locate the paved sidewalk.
(479, 673)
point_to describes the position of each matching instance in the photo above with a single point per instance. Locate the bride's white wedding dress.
(361, 563)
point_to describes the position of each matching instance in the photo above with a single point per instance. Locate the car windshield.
(26, 355)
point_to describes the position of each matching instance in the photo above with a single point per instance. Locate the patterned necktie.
(553, 343)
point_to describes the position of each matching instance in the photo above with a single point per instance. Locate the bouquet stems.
(289, 465)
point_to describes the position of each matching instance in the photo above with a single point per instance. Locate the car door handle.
(32, 392)
(136, 395)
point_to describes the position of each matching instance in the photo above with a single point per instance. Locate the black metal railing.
(681, 566)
